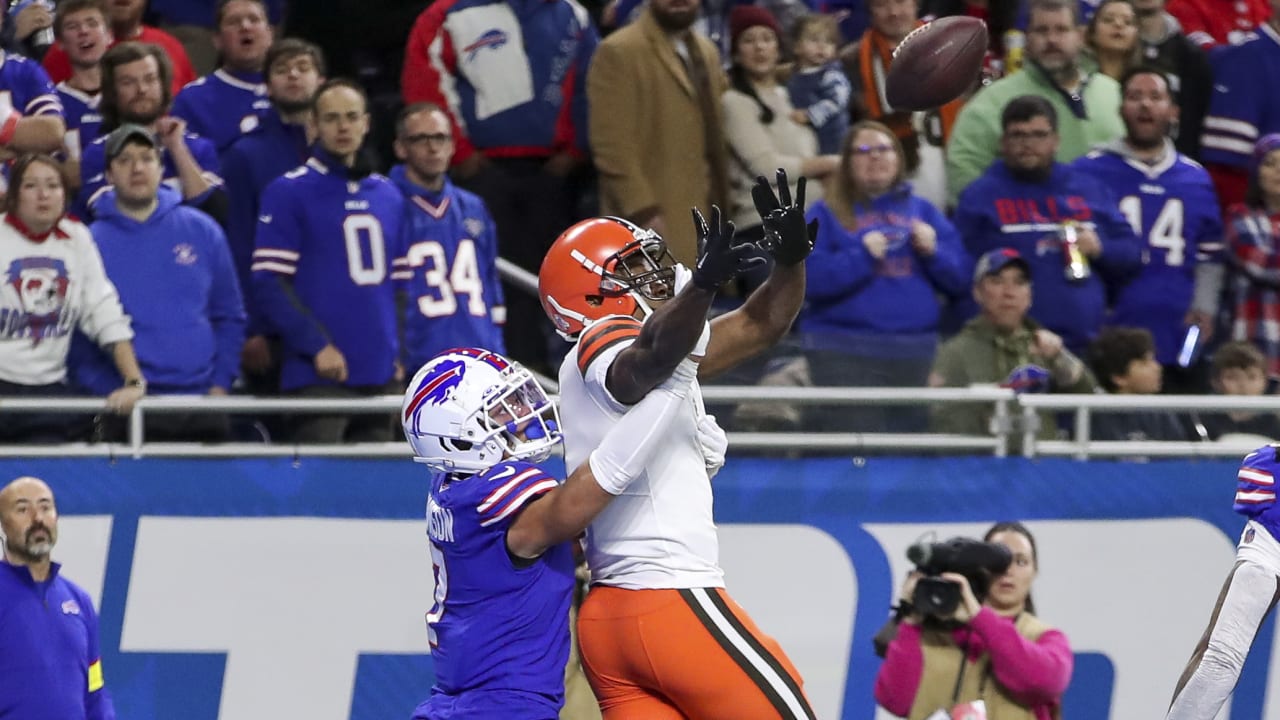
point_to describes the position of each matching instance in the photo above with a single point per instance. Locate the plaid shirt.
(1252, 239)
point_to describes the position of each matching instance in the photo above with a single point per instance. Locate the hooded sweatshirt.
(851, 292)
(177, 281)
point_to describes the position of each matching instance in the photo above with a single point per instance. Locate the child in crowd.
(1124, 361)
(1239, 368)
(818, 88)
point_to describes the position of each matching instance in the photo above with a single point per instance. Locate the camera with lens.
(979, 562)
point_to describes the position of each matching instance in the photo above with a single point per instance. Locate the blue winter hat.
(1264, 146)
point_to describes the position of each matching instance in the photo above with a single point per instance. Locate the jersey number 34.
(447, 281)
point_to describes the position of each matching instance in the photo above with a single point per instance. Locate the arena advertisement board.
(244, 589)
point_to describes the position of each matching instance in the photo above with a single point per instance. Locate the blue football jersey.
(1256, 488)
(28, 86)
(83, 117)
(222, 106)
(455, 297)
(339, 241)
(248, 166)
(1173, 209)
(499, 631)
(93, 172)
(1244, 105)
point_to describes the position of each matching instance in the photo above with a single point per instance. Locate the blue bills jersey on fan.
(1173, 208)
(455, 297)
(336, 243)
(1244, 105)
(223, 105)
(83, 117)
(499, 631)
(28, 86)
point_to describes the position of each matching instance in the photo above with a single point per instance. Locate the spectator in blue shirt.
(295, 69)
(1065, 224)
(454, 297)
(84, 33)
(230, 101)
(48, 627)
(135, 89)
(172, 268)
(327, 255)
(882, 259)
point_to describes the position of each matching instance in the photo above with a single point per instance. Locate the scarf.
(874, 55)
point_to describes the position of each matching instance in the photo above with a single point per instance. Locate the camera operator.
(986, 659)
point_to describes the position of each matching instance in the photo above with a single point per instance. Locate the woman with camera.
(990, 659)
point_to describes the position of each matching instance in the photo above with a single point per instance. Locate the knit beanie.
(745, 17)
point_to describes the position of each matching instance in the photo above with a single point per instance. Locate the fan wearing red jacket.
(1219, 22)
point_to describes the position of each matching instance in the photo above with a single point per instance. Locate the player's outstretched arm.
(768, 313)
(669, 335)
(563, 513)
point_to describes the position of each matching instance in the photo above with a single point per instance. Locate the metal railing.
(1006, 407)
(1083, 406)
(137, 446)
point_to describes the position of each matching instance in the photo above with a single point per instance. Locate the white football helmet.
(468, 409)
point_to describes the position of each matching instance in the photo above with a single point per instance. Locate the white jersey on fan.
(660, 532)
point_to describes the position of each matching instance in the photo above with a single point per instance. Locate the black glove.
(786, 237)
(719, 259)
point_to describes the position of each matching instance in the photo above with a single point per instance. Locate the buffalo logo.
(1028, 379)
(70, 607)
(494, 38)
(437, 386)
(185, 254)
(474, 226)
(39, 285)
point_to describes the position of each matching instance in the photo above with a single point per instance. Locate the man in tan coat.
(656, 132)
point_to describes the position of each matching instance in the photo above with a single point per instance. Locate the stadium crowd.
(196, 204)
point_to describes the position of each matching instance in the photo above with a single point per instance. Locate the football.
(936, 63)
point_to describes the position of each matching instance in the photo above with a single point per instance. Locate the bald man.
(48, 628)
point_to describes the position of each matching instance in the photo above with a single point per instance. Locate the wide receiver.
(659, 637)
(499, 526)
(1246, 599)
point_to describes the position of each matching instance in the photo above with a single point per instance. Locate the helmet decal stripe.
(586, 262)
(436, 386)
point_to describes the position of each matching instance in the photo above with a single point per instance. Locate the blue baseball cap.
(993, 261)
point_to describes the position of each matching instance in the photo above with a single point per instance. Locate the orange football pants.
(683, 655)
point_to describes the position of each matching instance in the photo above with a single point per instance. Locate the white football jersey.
(659, 533)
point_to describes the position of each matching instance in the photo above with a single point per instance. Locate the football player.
(499, 526)
(1247, 596)
(1170, 202)
(659, 636)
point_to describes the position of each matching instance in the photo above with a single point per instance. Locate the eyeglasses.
(1025, 135)
(432, 139)
(872, 149)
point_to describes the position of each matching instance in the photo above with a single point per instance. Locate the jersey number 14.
(1165, 232)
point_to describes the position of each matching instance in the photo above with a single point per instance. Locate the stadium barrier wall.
(246, 589)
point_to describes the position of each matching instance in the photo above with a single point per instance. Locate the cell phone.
(1190, 346)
